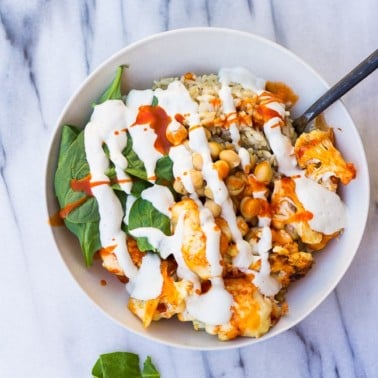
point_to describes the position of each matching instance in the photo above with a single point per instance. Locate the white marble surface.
(48, 327)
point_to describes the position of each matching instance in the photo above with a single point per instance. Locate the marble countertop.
(48, 327)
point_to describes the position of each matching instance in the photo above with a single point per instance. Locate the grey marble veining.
(48, 328)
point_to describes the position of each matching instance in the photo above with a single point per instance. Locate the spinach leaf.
(83, 221)
(138, 187)
(117, 365)
(113, 92)
(143, 214)
(97, 369)
(72, 163)
(149, 369)
(111, 173)
(69, 134)
(164, 169)
(135, 166)
(86, 212)
(89, 238)
(122, 196)
(144, 245)
(123, 364)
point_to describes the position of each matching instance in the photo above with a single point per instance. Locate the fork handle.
(365, 68)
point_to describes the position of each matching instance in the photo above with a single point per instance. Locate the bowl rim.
(140, 42)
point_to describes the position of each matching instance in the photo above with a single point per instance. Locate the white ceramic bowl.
(205, 50)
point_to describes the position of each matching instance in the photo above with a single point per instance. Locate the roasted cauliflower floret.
(317, 155)
(170, 302)
(289, 213)
(110, 262)
(194, 239)
(288, 264)
(144, 310)
(251, 311)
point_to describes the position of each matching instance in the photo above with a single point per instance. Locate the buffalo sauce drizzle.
(78, 185)
(84, 185)
(263, 112)
(158, 120)
(283, 92)
(301, 216)
(56, 220)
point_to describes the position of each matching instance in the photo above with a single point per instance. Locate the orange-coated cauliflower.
(287, 262)
(289, 213)
(110, 261)
(194, 239)
(252, 313)
(317, 155)
(170, 302)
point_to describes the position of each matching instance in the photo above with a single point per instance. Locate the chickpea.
(242, 225)
(251, 235)
(222, 168)
(230, 157)
(201, 191)
(215, 149)
(235, 185)
(242, 176)
(177, 136)
(281, 237)
(208, 193)
(225, 228)
(213, 207)
(263, 172)
(197, 179)
(197, 161)
(208, 133)
(249, 207)
(179, 187)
